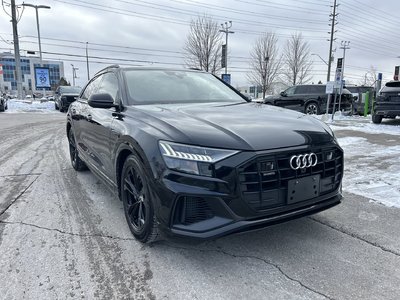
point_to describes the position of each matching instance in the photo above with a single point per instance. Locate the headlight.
(192, 159)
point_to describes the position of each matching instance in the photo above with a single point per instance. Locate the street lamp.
(36, 7)
(74, 74)
(320, 57)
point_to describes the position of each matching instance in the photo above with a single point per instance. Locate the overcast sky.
(153, 32)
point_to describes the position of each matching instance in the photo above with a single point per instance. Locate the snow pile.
(372, 169)
(21, 106)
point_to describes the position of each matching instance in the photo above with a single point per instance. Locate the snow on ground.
(22, 106)
(362, 124)
(371, 170)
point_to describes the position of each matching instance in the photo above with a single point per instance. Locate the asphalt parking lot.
(64, 236)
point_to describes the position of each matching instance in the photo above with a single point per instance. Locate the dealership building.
(8, 82)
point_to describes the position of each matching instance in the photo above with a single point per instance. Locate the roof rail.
(109, 67)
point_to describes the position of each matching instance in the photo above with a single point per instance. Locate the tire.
(55, 106)
(376, 119)
(138, 205)
(312, 108)
(61, 109)
(76, 162)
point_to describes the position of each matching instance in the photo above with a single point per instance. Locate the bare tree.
(370, 77)
(265, 62)
(203, 45)
(298, 64)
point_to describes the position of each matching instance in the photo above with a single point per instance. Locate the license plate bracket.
(303, 189)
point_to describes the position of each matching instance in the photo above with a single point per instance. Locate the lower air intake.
(190, 210)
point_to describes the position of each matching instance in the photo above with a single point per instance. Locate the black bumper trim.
(251, 225)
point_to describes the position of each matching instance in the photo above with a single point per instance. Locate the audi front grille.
(264, 180)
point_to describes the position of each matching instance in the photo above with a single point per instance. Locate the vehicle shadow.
(394, 122)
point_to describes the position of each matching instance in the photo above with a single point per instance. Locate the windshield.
(172, 86)
(71, 89)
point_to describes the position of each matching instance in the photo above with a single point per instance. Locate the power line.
(177, 21)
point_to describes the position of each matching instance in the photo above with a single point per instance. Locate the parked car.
(387, 103)
(3, 102)
(189, 156)
(64, 96)
(309, 99)
(359, 98)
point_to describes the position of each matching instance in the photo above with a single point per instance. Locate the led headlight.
(192, 159)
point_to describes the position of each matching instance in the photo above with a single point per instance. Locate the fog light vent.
(190, 210)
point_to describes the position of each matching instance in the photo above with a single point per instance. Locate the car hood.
(244, 126)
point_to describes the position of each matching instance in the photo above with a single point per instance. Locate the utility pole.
(331, 40)
(87, 62)
(225, 29)
(74, 74)
(345, 46)
(18, 74)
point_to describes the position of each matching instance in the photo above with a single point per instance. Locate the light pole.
(74, 74)
(87, 61)
(225, 29)
(36, 7)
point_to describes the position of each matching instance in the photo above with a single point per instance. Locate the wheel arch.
(68, 127)
(125, 148)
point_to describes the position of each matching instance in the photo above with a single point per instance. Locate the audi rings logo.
(303, 161)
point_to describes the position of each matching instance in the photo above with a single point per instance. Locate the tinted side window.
(318, 89)
(302, 89)
(109, 85)
(91, 88)
(290, 91)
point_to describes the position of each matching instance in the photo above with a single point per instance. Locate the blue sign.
(380, 76)
(226, 78)
(42, 77)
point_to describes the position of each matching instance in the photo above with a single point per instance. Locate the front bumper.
(204, 208)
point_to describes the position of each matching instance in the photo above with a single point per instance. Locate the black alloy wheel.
(76, 162)
(312, 108)
(137, 202)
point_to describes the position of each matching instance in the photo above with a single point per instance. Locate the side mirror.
(283, 94)
(102, 100)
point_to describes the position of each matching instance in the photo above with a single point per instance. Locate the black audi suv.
(190, 157)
